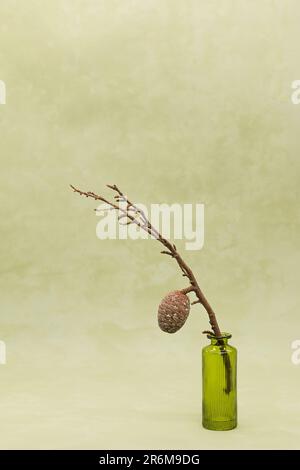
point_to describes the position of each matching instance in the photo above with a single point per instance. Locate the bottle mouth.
(224, 335)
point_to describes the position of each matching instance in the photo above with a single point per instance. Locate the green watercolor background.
(175, 101)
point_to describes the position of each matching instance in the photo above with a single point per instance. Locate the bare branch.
(137, 216)
(166, 253)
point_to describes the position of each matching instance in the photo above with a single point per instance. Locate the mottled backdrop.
(175, 101)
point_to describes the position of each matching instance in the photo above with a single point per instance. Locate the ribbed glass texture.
(219, 394)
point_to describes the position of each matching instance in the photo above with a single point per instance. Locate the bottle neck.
(221, 340)
(214, 341)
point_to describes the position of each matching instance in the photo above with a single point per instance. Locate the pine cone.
(173, 311)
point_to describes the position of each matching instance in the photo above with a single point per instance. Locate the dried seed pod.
(173, 311)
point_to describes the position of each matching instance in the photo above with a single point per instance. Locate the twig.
(171, 250)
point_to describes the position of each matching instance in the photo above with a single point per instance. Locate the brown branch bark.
(141, 220)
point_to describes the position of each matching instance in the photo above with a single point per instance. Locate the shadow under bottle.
(219, 391)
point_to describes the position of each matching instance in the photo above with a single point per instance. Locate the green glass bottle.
(219, 394)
